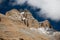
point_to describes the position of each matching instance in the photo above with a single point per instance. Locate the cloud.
(49, 8)
(20, 1)
(1, 1)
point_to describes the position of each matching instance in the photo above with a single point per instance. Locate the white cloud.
(20, 1)
(1, 1)
(49, 8)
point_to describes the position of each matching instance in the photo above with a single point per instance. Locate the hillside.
(21, 25)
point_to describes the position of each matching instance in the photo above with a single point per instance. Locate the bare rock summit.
(21, 25)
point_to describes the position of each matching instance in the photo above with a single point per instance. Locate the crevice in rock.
(0, 19)
(21, 39)
(1, 39)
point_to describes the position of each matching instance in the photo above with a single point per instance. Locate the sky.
(40, 9)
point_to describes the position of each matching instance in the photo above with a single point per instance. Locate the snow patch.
(43, 30)
(33, 29)
(22, 12)
(24, 18)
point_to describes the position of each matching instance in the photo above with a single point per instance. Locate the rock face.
(17, 25)
(45, 24)
(25, 17)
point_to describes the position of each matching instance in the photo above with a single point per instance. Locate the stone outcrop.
(45, 24)
(25, 17)
(15, 25)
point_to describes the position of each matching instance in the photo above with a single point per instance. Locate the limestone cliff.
(21, 25)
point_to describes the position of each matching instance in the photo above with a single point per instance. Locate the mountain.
(21, 25)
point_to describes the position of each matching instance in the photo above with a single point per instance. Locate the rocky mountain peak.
(21, 25)
(26, 18)
(45, 23)
(12, 12)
